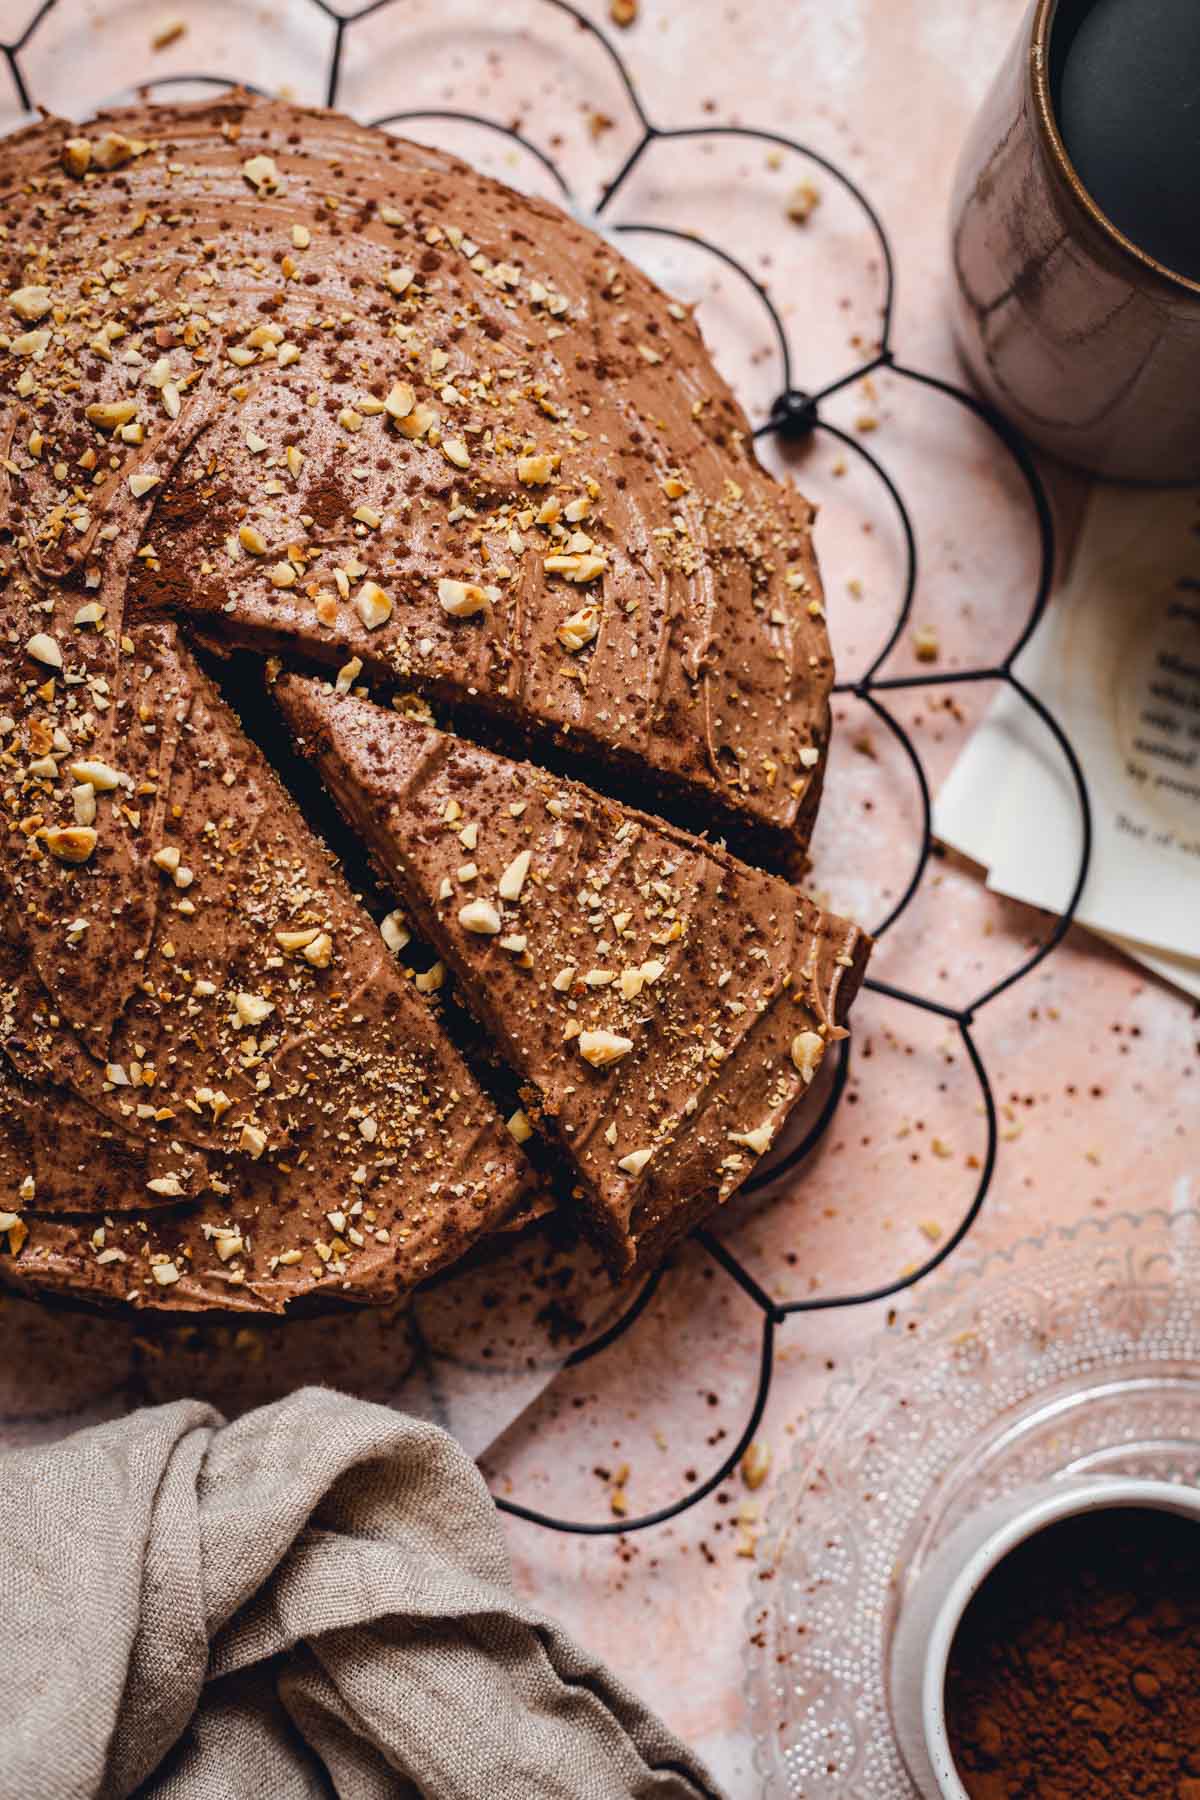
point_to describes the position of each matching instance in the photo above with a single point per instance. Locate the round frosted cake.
(465, 490)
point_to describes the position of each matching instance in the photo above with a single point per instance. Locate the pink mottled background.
(1094, 1063)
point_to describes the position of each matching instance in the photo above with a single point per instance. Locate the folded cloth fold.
(313, 1600)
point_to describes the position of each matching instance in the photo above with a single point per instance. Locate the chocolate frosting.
(567, 449)
(666, 1006)
(278, 381)
(249, 1102)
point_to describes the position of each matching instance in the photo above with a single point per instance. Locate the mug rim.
(1045, 13)
(1105, 1495)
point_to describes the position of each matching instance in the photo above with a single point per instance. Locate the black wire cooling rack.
(794, 416)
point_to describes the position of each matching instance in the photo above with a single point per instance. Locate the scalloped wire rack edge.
(794, 416)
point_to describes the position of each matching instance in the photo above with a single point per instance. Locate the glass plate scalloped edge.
(1076, 1352)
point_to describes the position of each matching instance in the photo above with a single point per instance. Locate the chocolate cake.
(240, 1094)
(276, 383)
(664, 1005)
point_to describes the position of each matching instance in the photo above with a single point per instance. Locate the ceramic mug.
(1085, 341)
(931, 1613)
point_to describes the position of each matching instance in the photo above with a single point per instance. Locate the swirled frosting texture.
(665, 1006)
(270, 380)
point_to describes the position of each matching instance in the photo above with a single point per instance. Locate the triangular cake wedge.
(217, 1085)
(664, 1005)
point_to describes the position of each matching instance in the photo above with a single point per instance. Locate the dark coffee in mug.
(1075, 236)
(1125, 87)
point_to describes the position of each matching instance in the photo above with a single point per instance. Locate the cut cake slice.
(665, 1006)
(245, 1104)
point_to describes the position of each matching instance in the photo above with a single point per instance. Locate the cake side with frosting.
(275, 382)
(665, 1006)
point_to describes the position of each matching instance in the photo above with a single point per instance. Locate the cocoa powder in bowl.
(1075, 1671)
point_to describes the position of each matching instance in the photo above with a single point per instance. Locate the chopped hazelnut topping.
(519, 1127)
(30, 303)
(253, 1142)
(802, 202)
(69, 843)
(807, 1050)
(462, 599)
(169, 1186)
(292, 941)
(480, 916)
(758, 1140)
(635, 1162)
(100, 775)
(536, 470)
(44, 649)
(756, 1464)
(601, 1048)
(373, 605)
(114, 150)
(513, 879)
(77, 155)
(252, 1009)
(580, 629)
(577, 566)
(109, 414)
(261, 173)
(400, 401)
(394, 931)
(416, 423)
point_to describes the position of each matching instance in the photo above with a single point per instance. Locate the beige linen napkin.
(312, 1600)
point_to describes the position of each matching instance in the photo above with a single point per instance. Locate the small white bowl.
(930, 1614)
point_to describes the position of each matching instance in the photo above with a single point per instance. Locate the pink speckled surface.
(1095, 1064)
